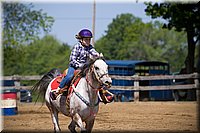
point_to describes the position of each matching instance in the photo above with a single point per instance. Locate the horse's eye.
(96, 68)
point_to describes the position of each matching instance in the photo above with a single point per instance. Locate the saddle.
(77, 76)
(104, 95)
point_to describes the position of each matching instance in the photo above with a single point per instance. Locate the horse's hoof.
(57, 131)
(72, 130)
(83, 131)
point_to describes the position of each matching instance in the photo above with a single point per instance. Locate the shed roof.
(132, 63)
(126, 63)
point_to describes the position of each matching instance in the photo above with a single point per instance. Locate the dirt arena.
(113, 117)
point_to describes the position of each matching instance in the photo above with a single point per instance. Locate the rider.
(78, 58)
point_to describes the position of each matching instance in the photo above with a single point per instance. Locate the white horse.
(83, 102)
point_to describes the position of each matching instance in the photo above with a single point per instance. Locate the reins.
(89, 83)
(98, 77)
(85, 101)
(92, 70)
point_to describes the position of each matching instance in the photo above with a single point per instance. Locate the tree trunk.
(189, 62)
(198, 62)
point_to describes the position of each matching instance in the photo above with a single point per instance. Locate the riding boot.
(54, 94)
(58, 90)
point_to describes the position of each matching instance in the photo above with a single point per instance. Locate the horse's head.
(100, 69)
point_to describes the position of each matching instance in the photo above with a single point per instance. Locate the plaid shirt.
(80, 55)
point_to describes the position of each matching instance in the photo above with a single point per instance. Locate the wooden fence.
(173, 86)
(135, 78)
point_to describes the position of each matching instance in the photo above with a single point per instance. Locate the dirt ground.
(116, 116)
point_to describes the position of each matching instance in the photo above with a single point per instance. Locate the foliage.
(113, 42)
(23, 52)
(136, 40)
(182, 17)
(21, 25)
(48, 53)
(39, 57)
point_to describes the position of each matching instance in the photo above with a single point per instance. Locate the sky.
(71, 17)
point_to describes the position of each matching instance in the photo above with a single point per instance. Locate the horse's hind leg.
(54, 116)
(72, 126)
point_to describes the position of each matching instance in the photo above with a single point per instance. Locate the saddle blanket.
(56, 83)
(57, 80)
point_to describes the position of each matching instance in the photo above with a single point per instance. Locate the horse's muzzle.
(106, 81)
(108, 84)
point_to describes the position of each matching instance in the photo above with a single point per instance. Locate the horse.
(82, 104)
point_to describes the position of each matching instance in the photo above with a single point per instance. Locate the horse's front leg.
(76, 117)
(89, 125)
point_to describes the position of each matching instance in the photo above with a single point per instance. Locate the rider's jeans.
(68, 77)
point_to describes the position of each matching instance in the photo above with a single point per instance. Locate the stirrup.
(54, 95)
(60, 91)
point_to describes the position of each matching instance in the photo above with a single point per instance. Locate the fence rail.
(157, 77)
(137, 79)
(194, 76)
(18, 77)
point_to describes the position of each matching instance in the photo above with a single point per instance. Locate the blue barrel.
(9, 102)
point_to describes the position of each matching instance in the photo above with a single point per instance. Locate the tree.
(48, 53)
(21, 25)
(142, 41)
(182, 17)
(112, 43)
(39, 57)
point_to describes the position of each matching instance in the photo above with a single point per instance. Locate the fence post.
(136, 89)
(196, 81)
(17, 86)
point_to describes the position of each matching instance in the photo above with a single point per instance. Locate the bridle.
(97, 76)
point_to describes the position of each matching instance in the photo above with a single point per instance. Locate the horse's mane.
(87, 66)
(91, 61)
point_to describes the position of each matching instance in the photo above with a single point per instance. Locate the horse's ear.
(93, 58)
(101, 56)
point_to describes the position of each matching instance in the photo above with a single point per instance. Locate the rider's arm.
(73, 57)
(93, 52)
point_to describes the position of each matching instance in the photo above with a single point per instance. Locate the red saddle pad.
(56, 83)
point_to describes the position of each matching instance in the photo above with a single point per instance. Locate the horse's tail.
(42, 85)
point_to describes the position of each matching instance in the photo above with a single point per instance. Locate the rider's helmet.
(84, 33)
